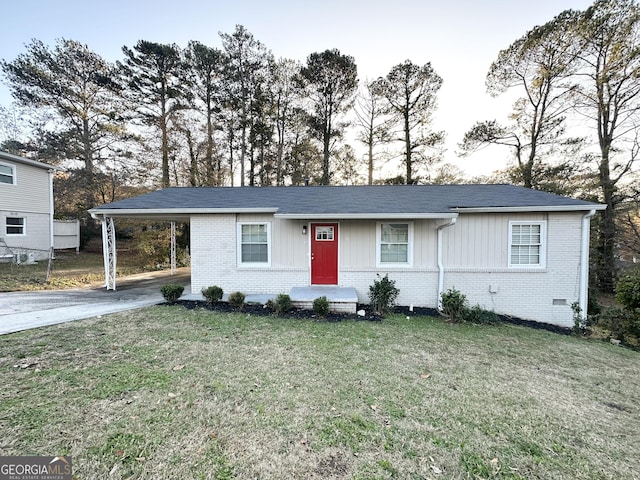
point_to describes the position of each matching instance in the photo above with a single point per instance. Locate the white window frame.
(239, 246)
(543, 244)
(24, 227)
(13, 173)
(379, 262)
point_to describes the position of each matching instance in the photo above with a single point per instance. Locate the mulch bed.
(262, 310)
(257, 309)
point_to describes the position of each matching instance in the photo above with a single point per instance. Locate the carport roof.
(380, 201)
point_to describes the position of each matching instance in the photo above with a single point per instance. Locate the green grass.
(171, 393)
(68, 270)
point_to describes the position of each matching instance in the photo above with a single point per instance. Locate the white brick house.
(516, 251)
(26, 208)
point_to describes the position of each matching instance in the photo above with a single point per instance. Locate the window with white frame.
(527, 244)
(394, 244)
(7, 174)
(254, 244)
(15, 226)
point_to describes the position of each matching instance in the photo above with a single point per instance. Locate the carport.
(106, 217)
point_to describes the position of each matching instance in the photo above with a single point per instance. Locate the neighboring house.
(513, 250)
(26, 208)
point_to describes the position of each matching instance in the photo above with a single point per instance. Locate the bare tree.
(608, 34)
(373, 124)
(539, 65)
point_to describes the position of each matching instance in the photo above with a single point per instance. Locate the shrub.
(620, 322)
(282, 304)
(454, 304)
(628, 291)
(321, 306)
(171, 292)
(479, 315)
(212, 294)
(237, 299)
(383, 294)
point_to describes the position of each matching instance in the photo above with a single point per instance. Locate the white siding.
(29, 194)
(474, 255)
(37, 237)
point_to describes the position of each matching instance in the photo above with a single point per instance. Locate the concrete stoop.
(341, 299)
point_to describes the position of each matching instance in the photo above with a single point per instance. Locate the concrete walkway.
(26, 310)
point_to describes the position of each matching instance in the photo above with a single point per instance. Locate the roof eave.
(135, 212)
(363, 216)
(9, 157)
(531, 208)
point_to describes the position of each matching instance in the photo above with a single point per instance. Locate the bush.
(479, 315)
(628, 291)
(237, 300)
(383, 294)
(321, 306)
(454, 304)
(282, 304)
(212, 294)
(620, 322)
(171, 292)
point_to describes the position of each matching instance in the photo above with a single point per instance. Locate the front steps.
(341, 299)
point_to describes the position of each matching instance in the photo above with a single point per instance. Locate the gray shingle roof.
(344, 200)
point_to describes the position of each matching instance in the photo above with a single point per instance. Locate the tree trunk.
(407, 143)
(606, 236)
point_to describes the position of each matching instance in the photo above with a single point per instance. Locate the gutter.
(439, 230)
(531, 208)
(583, 295)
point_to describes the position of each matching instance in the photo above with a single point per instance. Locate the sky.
(459, 37)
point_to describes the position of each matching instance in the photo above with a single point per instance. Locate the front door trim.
(330, 274)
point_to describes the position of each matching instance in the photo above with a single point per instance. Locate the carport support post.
(109, 252)
(173, 248)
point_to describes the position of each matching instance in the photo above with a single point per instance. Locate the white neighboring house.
(26, 208)
(513, 250)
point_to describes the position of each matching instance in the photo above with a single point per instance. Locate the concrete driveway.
(25, 310)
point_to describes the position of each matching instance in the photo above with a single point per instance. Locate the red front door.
(324, 254)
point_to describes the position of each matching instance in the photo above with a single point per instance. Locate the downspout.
(583, 295)
(451, 223)
(51, 213)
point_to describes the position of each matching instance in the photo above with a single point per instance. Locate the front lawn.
(167, 392)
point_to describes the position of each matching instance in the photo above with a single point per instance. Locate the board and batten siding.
(214, 255)
(475, 258)
(480, 268)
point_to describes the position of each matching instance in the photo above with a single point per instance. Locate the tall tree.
(206, 67)
(373, 124)
(75, 85)
(330, 79)
(411, 95)
(286, 97)
(246, 62)
(157, 88)
(538, 65)
(608, 36)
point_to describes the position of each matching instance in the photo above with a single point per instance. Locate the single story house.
(26, 208)
(515, 251)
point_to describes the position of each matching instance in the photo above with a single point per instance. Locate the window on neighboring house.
(7, 174)
(527, 244)
(394, 244)
(254, 241)
(15, 225)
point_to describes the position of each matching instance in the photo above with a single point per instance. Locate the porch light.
(304, 230)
